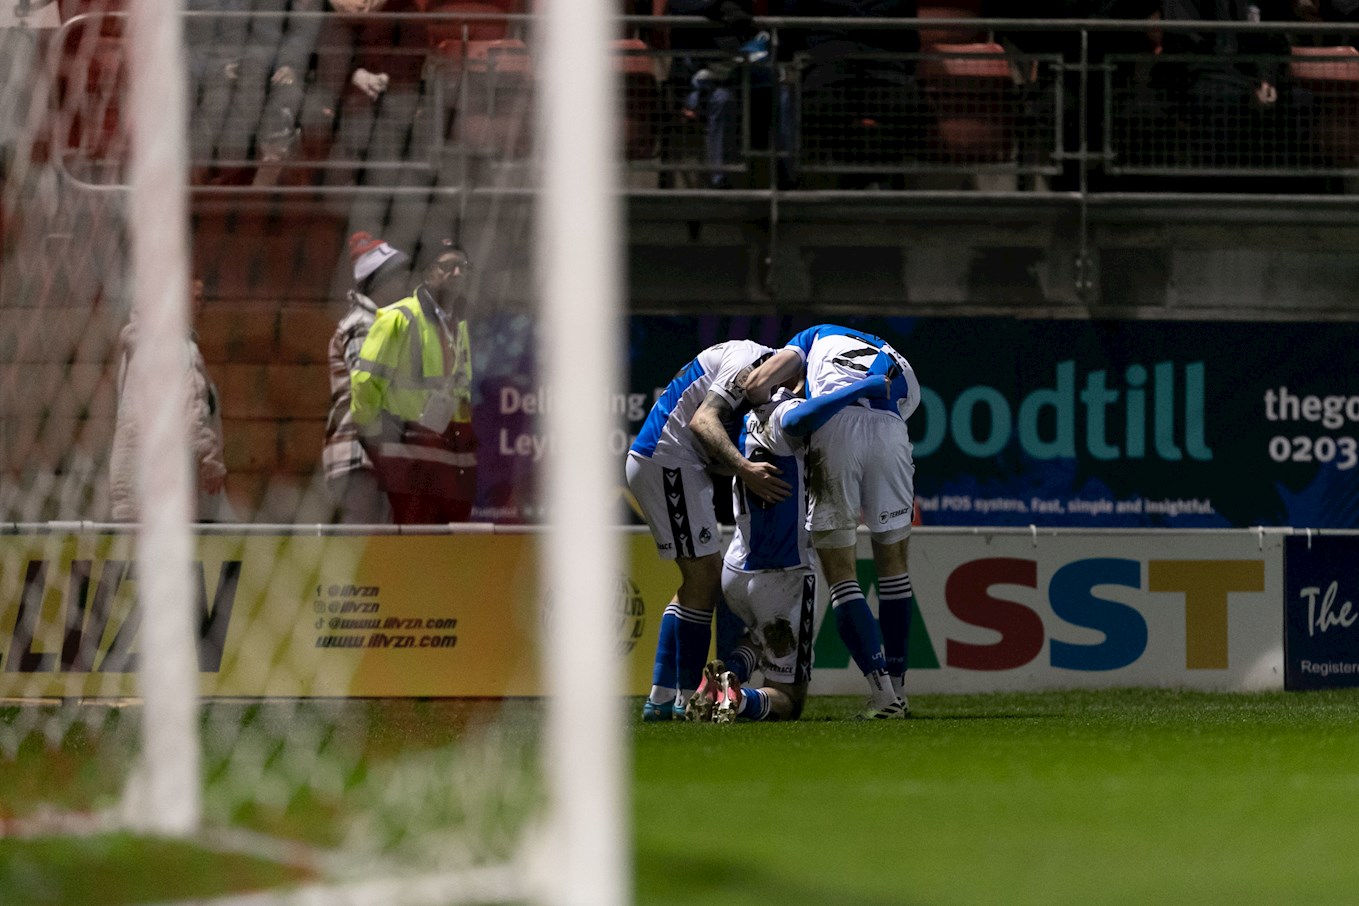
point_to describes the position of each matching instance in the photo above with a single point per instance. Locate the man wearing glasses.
(412, 396)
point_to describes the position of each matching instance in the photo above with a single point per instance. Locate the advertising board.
(1062, 423)
(1322, 619)
(456, 615)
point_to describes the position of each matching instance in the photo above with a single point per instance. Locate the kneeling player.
(779, 606)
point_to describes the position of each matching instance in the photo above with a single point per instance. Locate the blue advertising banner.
(1076, 423)
(1321, 633)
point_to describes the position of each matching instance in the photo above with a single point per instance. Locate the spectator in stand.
(710, 83)
(380, 278)
(411, 396)
(247, 78)
(369, 93)
(1239, 111)
(713, 86)
(860, 103)
(738, 37)
(205, 431)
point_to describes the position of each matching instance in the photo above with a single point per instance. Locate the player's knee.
(891, 537)
(834, 538)
(705, 571)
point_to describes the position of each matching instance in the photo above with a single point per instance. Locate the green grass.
(1112, 797)
(1102, 797)
(101, 871)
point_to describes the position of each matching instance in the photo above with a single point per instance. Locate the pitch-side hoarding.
(456, 615)
(1071, 423)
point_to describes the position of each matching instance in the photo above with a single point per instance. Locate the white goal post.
(165, 793)
(578, 241)
(109, 626)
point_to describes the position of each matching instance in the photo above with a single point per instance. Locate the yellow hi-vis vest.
(407, 357)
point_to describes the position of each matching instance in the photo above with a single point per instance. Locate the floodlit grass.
(322, 791)
(1118, 797)
(118, 869)
(1129, 797)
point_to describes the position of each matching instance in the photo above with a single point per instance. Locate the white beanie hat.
(368, 254)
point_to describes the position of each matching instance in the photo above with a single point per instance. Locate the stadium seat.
(77, 333)
(931, 37)
(86, 113)
(304, 332)
(84, 120)
(269, 391)
(1331, 74)
(479, 44)
(488, 74)
(973, 94)
(238, 331)
(110, 26)
(634, 62)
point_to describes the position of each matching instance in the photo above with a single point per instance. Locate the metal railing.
(978, 110)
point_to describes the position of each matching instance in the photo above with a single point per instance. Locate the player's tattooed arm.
(710, 425)
(713, 424)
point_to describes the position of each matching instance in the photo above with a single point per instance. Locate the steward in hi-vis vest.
(412, 397)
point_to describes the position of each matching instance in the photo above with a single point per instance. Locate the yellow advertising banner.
(310, 616)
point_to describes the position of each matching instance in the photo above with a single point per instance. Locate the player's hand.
(763, 480)
(284, 75)
(1266, 95)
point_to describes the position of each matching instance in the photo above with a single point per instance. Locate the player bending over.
(861, 463)
(687, 435)
(768, 577)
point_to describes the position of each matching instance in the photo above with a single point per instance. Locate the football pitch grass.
(1110, 797)
(1132, 797)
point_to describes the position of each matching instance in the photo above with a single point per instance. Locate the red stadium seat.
(633, 61)
(1331, 74)
(490, 74)
(972, 91)
(87, 96)
(468, 41)
(111, 26)
(931, 37)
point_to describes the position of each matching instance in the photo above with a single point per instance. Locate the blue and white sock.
(695, 632)
(894, 615)
(858, 629)
(665, 670)
(741, 661)
(754, 704)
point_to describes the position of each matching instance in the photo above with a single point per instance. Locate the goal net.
(226, 673)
